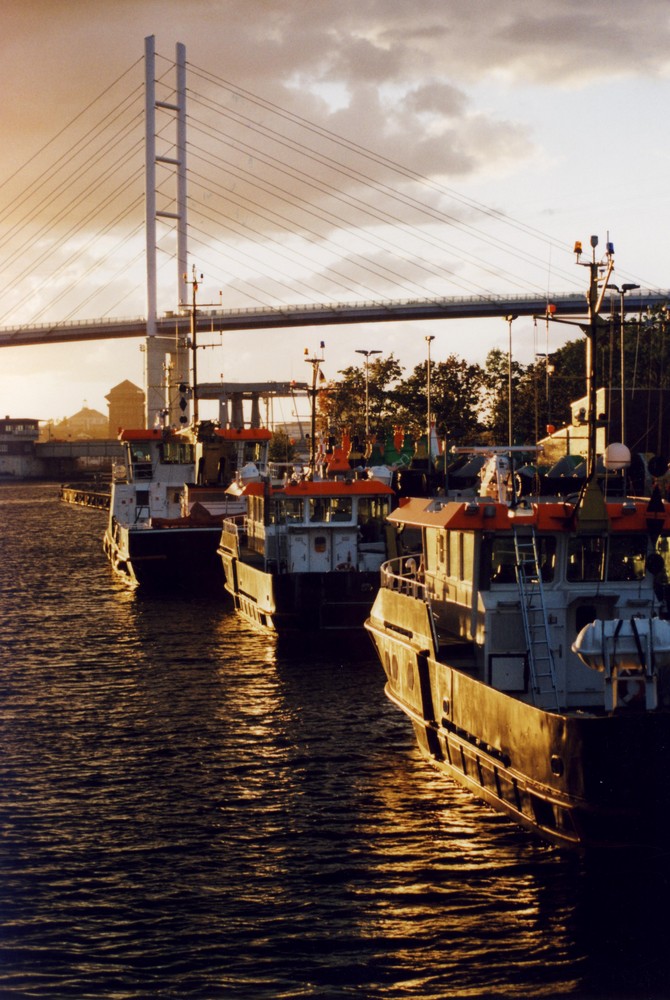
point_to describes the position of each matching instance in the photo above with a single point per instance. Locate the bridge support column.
(237, 414)
(255, 410)
(154, 380)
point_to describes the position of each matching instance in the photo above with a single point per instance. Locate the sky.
(533, 122)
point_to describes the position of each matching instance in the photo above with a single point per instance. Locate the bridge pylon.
(155, 362)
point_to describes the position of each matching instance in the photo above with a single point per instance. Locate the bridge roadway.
(330, 314)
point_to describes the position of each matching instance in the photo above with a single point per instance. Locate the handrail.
(404, 574)
(236, 523)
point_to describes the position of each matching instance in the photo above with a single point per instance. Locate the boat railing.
(405, 575)
(235, 523)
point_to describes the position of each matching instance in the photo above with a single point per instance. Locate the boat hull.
(162, 558)
(300, 602)
(580, 780)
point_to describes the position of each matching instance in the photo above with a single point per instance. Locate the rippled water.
(189, 811)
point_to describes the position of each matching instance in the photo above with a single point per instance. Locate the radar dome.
(616, 456)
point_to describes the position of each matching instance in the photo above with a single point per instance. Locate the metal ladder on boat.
(535, 623)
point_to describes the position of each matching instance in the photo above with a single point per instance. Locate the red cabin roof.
(324, 488)
(243, 433)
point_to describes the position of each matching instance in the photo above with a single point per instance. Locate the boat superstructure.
(306, 554)
(527, 640)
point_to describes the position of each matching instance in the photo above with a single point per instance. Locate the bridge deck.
(331, 314)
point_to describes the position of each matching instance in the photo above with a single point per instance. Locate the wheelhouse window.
(319, 510)
(467, 554)
(586, 559)
(256, 509)
(140, 453)
(376, 508)
(454, 551)
(503, 560)
(176, 453)
(288, 511)
(590, 558)
(252, 452)
(371, 512)
(341, 509)
(500, 556)
(627, 554)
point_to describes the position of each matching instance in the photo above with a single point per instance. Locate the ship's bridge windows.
(341, 509)
(499, 559)
(287, 511)
(251, 452)
(176, 453)
(457, 549)
(591, 559)
(467, 555)
(140, 460)
(626, 559)
(586, 558)
(376, 508)
(502, 560)
(371, 514)
(256, 509)
(319, 510)
(140, 453)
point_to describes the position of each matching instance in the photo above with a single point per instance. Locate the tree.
(341, 406)
(455, 392)
(495, 399)
(281, 448)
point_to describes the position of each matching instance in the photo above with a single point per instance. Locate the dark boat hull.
(300, 602)
(162, 558)
(579, 780)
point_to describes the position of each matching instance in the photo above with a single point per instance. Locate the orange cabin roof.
(324, 488)
(243, 433)
(142, 434)
(491, 515)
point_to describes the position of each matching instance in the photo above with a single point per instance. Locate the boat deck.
(86, 495)
(251, 558)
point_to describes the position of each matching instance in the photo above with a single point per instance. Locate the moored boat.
(170, 498)
(306, 554)
(526, 639)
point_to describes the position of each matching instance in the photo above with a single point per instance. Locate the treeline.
(469, 403)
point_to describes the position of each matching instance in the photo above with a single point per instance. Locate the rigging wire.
(398, 196)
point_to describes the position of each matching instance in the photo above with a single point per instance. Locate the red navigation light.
(578, 247)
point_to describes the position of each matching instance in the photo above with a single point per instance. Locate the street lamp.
(429, 341)
(367, 386)
(316, 363)
(627, 287)
(510, 433)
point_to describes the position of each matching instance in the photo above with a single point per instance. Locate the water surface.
(190, 811)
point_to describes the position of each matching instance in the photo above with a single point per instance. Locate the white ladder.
(535, 623)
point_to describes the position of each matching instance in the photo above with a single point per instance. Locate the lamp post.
(626, 287)
(316, 363)
(510, 433)
(429, 341)
(367, 388)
